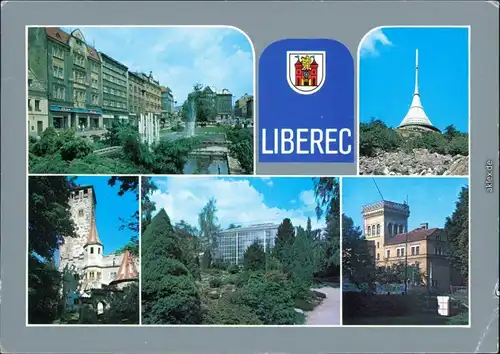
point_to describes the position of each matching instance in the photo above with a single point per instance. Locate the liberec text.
(304, 141)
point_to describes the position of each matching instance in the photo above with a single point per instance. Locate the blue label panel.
(306, 102)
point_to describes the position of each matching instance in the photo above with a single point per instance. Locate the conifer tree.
(169, 294)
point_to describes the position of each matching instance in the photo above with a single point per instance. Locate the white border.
(289, 79)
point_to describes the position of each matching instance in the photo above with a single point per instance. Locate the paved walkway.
(328, 312)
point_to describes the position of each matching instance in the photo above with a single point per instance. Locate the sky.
(110, 208)
(180, 57)
(387, 75)
(240, 201)
(431, 200)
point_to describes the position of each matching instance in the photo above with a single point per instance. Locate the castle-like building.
(416, 120)
(386, 230)
(84, 254)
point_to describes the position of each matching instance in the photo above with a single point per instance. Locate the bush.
(376, 136)
(271, 301)
(224, 312)
(304, 305)
(233, 269)
(215, 282)
(75, 149)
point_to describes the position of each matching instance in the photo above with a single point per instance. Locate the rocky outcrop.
(420, 162)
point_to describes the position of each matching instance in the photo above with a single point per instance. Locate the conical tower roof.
(93, 236)
(127, 270)
(416, 115)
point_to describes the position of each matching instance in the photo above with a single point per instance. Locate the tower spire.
(416, 72)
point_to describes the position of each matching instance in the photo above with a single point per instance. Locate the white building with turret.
(84, 254)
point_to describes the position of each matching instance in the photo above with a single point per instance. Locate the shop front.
(76, 118)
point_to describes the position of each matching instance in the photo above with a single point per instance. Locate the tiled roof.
(93, 237)
(63, 37)
(412, 236)
(127, 270)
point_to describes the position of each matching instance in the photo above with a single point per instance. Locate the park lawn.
(203, 130)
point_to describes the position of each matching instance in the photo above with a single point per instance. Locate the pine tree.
(254, 258)
(457, 231)
(303, 262)
(283, 244)
(169, 294)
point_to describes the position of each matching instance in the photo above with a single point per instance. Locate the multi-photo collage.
(149, 205)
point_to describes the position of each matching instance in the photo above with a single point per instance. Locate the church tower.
(82, 207)
(384, 220)
(416, 119)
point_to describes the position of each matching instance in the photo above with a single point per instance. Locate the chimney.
(424, 226)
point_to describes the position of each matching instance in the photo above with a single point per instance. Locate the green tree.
(327, 193)
(358, 264)
(456, 229)
(254, 258)
(208, 224)
(283, 244)
(241, 147)
(49, 219)
(188, 236)
(204, 103)
(169, 293)
(123, 306)
(375, 136)
(147, 205)
(303, 265)
(129, 185)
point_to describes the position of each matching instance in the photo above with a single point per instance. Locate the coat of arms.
(306, 71)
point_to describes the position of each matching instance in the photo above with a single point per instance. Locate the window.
(369, 230)
(378, 244)
(415, 250)
(57, 51)
(91, 250)
(29, 105)
(95, 99)
(400, 252)
(79, 59)
(58, 71)
(80, 212)
(95, 83)
(378, 229)
(30, 82)
(98, 250)
(378, 256)
(37, 105)
(388, 253)
(58, 92)
(438, 237)
(79, 76)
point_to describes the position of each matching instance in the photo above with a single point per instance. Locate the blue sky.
(110, 208)
(180, 56)
(242, 201)
(387, 75)
(431, 200)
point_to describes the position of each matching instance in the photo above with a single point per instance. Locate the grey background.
(343, 21)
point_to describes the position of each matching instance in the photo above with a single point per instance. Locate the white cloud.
(238, 202)
(268, 181)
(372, 41)
(307, 198)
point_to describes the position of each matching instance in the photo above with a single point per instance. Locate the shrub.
(74, 149)
(241, 278)
(304, 305)
(224, 312)
(215, 282)
(233, 269)
(376, 136)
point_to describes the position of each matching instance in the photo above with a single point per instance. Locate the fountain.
(191, 118)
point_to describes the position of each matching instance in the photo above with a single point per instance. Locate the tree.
(188, 236)
(241, 147)
(169, 293)
(303, 262)
(254, 258)
(283, 244)
(358, 264)
(129, 185)
(204, 103)
(208, 224)
(147, 205)
(327, 193)
(456, 229)
(123, 306)
(49, 219)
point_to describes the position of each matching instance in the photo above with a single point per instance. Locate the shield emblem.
(306, 71)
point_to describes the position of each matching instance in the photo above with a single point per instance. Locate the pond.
(206, 165)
